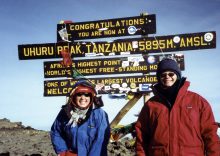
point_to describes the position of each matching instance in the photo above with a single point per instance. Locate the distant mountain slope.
(17, 140)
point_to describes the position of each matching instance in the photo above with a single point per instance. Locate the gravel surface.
(18, 140)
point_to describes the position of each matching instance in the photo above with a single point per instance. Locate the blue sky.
(33, 22)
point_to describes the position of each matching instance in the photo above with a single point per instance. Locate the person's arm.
(209, 130)
(57, 135)
(99, 146)
(141, 133)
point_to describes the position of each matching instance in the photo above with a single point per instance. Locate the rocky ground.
(18, 140)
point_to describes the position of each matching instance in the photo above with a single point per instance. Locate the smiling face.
(168, 78)
(83, 99)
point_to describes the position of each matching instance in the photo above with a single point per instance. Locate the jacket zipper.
(169, 132)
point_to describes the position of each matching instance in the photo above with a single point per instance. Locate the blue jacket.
(88, 139)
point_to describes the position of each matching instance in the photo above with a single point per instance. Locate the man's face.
(168, 78)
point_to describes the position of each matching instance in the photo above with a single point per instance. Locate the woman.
(176, 121)
(81, 127)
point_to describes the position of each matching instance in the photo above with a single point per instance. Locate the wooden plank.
(106, 66)
(111, 85)
(128, 26)
(125, 109)
(144, 45)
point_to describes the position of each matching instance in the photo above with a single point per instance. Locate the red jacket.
(188, 129)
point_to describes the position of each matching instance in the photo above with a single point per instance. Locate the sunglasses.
(85, 94)
(165, 74)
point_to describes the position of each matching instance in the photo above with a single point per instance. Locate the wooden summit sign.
(145, 45)
(137, 25)
(105, 66)
(111, 85)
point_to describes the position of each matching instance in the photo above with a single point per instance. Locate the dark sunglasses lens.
(169, 74)
(85, 94)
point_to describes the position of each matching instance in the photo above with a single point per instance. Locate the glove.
(62, 153)
(68, 153)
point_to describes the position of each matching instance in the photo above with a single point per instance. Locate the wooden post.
(146, 97)
(125, 109)
(130, 103)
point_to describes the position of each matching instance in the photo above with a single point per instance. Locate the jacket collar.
(182, 88)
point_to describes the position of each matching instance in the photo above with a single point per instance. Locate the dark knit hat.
(168, 64)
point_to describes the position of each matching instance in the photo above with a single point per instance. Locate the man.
(175, 121)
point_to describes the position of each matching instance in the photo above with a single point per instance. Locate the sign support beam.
(125, 109)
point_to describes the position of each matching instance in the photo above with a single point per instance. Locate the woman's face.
(83, 99)
(168, 78)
